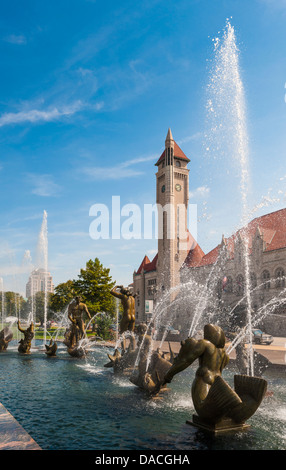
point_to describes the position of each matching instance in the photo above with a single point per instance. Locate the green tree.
(39, 306)
(63, 294)
(103, 326)
(93, 285)
(14, 304)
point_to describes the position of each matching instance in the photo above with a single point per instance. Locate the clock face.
(178, 187)
(163, 189)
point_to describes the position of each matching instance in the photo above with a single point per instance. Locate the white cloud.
(43, 185)
(201, 191)
(280, 4)
(115, 173)
(119, 171)
(16, 39)
(35, 115)
(189, 138)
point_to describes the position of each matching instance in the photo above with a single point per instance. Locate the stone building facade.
(259, 249)
(265, 238)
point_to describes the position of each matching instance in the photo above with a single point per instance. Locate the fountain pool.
(77, 404)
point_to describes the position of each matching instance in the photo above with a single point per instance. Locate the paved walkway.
(12, 435)
(275, 352)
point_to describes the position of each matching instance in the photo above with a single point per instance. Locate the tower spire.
(169, 136)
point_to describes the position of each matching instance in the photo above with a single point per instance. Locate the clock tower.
(172, 189)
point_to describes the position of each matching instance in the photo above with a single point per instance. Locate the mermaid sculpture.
(6, 335)
(51, 348)
(26, 342)
(219, 408)
(152, 365)
(124, 362)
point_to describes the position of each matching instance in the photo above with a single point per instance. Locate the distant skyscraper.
(37, 282)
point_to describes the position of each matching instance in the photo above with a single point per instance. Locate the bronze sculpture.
(26, 342)
(51, 348)
(75, 314)
(218, 407)
(152, 365)
(123, 362)
(128, 303)
(6, 336)
(76, 332)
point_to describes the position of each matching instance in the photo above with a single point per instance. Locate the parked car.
(259, 337)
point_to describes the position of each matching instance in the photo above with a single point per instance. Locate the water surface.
(76, 404)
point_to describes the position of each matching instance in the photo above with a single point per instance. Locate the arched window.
(266, 279)
(240, 285)
(280, 277)
(178, 163)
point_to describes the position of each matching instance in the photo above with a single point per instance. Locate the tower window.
(266, 279)
(178, 163)
(280, 277)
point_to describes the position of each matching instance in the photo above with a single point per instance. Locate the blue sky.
(88, 92)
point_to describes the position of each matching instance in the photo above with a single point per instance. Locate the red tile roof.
(272, 228)
(178, 153)
(143, 264)
(194, 257)
(151, 266)
(147, 265)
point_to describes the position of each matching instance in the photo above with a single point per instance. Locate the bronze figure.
(149, 377)
(218, 407)
(123, 362)
(51, 348)
(76, 332)
(75, 314)
(128, 303)
(6, 336)
(26, 342)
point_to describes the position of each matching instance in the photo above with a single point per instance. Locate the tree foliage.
(62, 296)
(93, 286)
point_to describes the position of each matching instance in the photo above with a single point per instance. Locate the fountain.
(75, 336)
(227, 111)
(142, 365)
(124, 330)
(2, 302)
(42, 262)
(219, 408)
